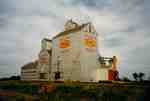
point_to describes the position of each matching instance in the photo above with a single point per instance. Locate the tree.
(149, 78)
(125, 79)
(11, 78)
(135, 76)
(138, 76)
(141, 75)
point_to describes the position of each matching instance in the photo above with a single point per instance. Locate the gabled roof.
(71, 30)
(31, 65)
(47, 39)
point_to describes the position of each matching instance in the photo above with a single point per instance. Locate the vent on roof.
(70, 25)
(88, 28)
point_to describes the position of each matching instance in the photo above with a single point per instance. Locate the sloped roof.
(30, 65)
(47, 39)
(71, 30)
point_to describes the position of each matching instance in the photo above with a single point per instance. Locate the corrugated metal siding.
(112, 75)
(29, 74)
(103, 74)
(44, 63)
(45, 44)
(77, 63)
(89, 60)
(69, 64)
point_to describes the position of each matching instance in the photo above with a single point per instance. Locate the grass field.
(73, 91)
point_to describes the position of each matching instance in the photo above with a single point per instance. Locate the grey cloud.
(20, 40)
(89, 4)
(124, 25)
(114, 42)
(7, 7)
(26, 8)
(95, 3)
(142, 54)
(3, 22)
(127, 6)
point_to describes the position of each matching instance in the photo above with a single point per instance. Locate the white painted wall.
(76, 62)
(69, 64)
(103, 74)
(29, 74)
(89, 59)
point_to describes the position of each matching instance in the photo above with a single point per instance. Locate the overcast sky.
(123, 27)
